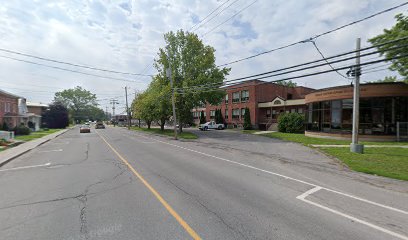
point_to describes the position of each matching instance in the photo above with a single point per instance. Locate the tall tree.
(144, 108)
(192, 64)
(288, 83)
(56, 116)
(80, 102)
(399, 30)
(247, 120)
(202, 117)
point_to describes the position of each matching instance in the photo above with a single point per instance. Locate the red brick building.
(264, 100)
(9, 112)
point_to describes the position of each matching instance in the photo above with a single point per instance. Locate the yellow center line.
(179, 219)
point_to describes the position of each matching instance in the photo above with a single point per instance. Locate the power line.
(208, 15)
(229, 18)
(66, 69)
(216, 15)
(321, 54)
(314, 66)
(299, 76)
(316, 36)
(72, 64)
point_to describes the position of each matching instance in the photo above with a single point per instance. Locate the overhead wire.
(208, 15)
(315, 36)
(312, 62)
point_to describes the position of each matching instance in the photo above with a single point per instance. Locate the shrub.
(202, 118)
(291, 123)
(21, 130)
(4, 126)
(247, 120)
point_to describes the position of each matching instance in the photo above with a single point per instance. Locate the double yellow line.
(179, 219)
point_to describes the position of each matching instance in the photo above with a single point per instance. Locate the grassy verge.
(387, 162)
(167, 132)
(307, 141)
(35, 135)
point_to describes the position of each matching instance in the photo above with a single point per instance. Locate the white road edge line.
(311, 191)
(25, 167)
(283, 176)
(315, 189)
(54, 150)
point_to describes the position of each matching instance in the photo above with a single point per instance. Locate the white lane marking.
(286, 177)
(315, 189)
(54, 150)
(56, 143)
(25, 167)
(307, 193)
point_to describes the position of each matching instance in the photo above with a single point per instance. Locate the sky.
(126, 36)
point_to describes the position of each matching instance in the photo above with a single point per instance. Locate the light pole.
(170, 76)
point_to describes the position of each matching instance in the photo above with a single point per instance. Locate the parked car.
(84, 129)
(211, 125)
(100, 125)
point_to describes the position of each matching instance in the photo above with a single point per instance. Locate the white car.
(211, 125)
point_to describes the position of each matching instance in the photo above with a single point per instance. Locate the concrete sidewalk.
(9, 154)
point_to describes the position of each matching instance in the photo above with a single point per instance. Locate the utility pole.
(106, 112)
(127, 109)
(354, 146)
(113, 102)
(170, 76)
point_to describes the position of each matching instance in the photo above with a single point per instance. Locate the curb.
(18, 154)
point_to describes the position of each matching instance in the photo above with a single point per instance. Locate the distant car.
(100, 125)
(211, 125)
(84, 129)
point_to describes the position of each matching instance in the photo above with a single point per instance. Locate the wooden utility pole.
(170, 76)
(127, 109)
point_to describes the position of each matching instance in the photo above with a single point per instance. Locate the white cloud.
(126, 35)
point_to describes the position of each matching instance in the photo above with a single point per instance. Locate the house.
(9, 111)
(265, 101)
(14, 112)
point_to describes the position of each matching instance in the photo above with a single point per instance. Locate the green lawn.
(167, 132)
(301, 138)
(35, 135)
(387, 162)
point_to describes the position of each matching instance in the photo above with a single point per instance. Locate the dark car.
(100, 125)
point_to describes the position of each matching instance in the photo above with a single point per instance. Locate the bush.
(4, 127)
(247, 120)
(291, 123)
(21, 130)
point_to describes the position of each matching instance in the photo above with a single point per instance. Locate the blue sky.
(126, 36)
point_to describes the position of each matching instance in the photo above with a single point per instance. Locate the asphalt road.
(120, 184)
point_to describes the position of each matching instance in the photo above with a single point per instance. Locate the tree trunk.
(148, 124)
(180, 127)
(162, 122)
(139, 122)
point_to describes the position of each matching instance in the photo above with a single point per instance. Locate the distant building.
(9, 111)
(265, 101)
(382, 106)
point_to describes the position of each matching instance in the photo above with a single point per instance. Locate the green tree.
(218, 116)
(80, 103)
(56, 116)
(202, 118)
(288, 83)
(192, 64)
(247, 120)
(144, 107)
(399, 30)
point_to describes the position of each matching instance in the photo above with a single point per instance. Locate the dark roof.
(9, 94)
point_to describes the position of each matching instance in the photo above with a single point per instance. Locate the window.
(268, 113)
(293, 110)
(7, 107)
(277, 102)
(226, 99)
(235, 113)
(242, 112)
(226, 114)
(235, 97)
(289, 96)
(300, 110)
(212, 114)
(336, 114)
(244, 96)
